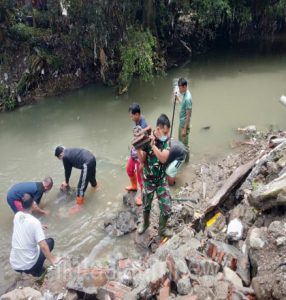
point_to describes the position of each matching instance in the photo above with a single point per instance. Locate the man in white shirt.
(30, 248)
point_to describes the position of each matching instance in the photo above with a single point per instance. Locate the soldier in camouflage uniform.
(154, 155)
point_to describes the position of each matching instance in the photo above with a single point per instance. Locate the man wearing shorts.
(175, 160)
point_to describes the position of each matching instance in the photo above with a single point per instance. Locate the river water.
(229, 90)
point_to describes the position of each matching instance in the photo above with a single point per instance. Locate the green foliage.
(22, 85)
(42, 18)
(55, 62)
(139, 57)
(6, 6)
(7, 98)
(212, 11)
(23, 32)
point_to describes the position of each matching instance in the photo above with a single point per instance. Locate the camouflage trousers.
(163, 195)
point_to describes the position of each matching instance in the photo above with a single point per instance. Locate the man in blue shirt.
(34, 189)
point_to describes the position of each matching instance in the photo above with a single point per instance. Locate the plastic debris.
(235, 229)
(211, 221)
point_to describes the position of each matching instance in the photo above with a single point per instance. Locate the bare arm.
(37, 209)
(188, 118)
(161, 155)
(49, 256)
(141, 155)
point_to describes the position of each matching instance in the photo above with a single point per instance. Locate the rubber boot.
(133, 186)
(78, 206)
(146, 222)
(163, 230)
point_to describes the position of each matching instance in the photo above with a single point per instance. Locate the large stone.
(165, 290)
(257, 238)
(277, 229)
(22, 294)
(150, 281)
(274, 155)
(184, 286)
(88, 280)
(222, 290)
(123, 223)
(232, 277)
(179, 244)
(270, 195)
(203, 293)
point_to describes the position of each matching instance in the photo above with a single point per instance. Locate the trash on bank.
(234, 230)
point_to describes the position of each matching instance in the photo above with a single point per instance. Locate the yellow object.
(211, 221)
(164, 240)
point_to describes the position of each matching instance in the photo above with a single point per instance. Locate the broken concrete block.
(88, 280)
(112, 290)
(177, 267)
(165, 290)
(184, 286)
(22, 294)
(232, 277)
(150, 281)
(200, 265)
(203, 292)
(257, 238)
(222, 290)
(229, 256)
(270, 195)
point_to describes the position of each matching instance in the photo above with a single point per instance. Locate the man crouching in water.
(154, 156)
(30, 248)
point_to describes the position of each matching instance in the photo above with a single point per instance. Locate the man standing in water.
(30, 248)
(185, 114)
(80, 159)
(154, 156)
(133, 168)
(34, 189)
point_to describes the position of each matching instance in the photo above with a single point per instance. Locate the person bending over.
(35, 189)
(80, 159)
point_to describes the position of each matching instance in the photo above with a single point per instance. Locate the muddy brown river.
(229, 90)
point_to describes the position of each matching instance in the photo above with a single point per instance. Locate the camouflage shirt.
(154, 171)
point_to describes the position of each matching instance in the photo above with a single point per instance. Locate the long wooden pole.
(174, 108)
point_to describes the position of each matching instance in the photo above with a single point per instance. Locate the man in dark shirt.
(34, 189)
(177, 155)
(80, 159)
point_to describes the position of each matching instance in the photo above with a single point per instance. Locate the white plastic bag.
(235, 229)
